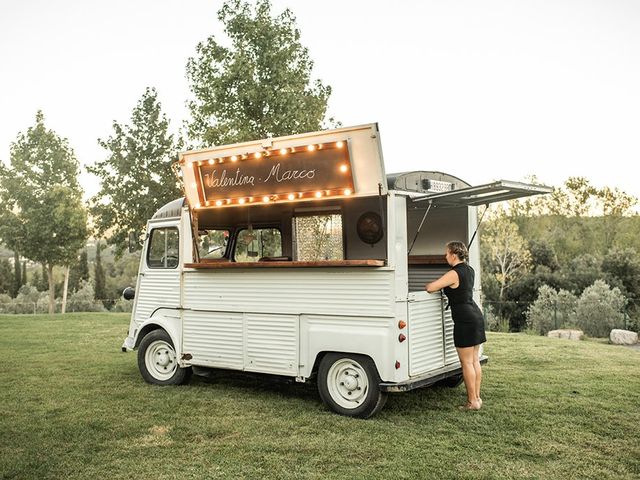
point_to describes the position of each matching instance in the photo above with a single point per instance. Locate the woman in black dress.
(468, 322)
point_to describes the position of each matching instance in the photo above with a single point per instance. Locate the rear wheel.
(349, 384)
(158, 362)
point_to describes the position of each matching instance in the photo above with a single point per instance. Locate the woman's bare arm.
(449, 279)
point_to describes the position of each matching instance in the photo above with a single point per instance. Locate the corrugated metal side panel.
(419, 275)
(450, 353)
(214, 338)
(157, 289)
(425, 336)
(288, 291)
(271, 343)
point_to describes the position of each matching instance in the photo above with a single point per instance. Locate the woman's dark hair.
(459, 249)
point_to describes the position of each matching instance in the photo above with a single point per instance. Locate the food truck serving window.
(212, 244)
(318, 237)
(258, 244)
(164, 248)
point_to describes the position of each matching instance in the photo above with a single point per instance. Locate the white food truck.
(298, 256)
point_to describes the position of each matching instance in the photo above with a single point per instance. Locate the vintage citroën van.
(298, 256)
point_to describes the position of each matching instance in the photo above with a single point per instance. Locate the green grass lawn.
(74, 406)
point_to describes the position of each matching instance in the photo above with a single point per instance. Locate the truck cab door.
(158, 284)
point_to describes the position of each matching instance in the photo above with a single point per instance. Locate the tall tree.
(6, 277)
(505, 253)
(79, 271)
(99, 275)
(258, 86)
(17, 274)
(136, 177)
(616, 205)
(23, 277)
(41, 213)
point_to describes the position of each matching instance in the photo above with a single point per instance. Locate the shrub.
(552, 309)
(6, 303)
(123, 305)
(600, 308)
(83, 300)
(30, 300)
(495, 322)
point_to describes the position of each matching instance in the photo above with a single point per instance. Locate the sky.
(483, 90)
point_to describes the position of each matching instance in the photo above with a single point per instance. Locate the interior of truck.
(346, 229)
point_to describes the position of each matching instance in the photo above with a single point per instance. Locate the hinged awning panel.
(306, 167)
(484, 194)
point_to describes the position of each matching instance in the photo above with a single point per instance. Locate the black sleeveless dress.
(468, 322)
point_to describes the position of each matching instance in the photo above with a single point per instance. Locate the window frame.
(227, 247)
(239, 230)
(166, 228)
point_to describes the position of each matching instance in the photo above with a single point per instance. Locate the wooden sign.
(271, 175)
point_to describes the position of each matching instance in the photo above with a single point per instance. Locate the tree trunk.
(64, 290)
(52, 290)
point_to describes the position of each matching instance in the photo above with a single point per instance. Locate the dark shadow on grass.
(256, 382)
(434, 398)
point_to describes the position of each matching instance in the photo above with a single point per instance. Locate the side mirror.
(129, 293)
(133, 242)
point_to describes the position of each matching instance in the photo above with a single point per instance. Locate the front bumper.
(425, 379)
(128, 344)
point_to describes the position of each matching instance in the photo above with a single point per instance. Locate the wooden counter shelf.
(286, 264)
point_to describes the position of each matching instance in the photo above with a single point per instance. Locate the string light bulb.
(291, 196)
(347, 191)
(257, 155)
(340, 144)
(234, 158)
(265, 199)
(343, 168)
(241, 201)
(318, 194)
(283, 151)
(311, 148)
(218, 202)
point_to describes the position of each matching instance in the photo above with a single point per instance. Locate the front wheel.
(158, 362)
(349, 384)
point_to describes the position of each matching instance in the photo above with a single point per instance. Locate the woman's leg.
(478, 369)
(469, 374)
